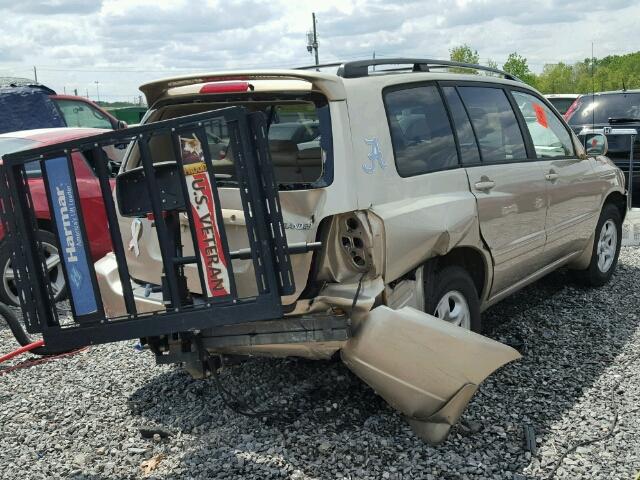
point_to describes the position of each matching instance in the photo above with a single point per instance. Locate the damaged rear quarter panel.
(422, 227)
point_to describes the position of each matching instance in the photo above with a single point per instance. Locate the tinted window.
(495, 124)
(294, 131)
(604, 107)
(420, 131)
(81, 114)
(549, 135)
(561, 104)
(466, 138)
(300, 140)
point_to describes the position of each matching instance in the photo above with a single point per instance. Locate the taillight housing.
(226, 87)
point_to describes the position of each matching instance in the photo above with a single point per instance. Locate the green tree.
(492, 63)
(464, 54)
(557, 78)
(612, 72)
(517, 65)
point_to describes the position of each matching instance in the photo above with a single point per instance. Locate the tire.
(8, 292)
(456, 285)
(21, 335)
(602, 265)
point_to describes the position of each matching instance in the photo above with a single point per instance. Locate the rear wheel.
(8, 289)
(451, 295)
(606, 248)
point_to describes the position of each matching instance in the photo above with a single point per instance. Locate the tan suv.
(433, 195)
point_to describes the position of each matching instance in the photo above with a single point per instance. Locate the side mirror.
(122, 124)
(596, 144)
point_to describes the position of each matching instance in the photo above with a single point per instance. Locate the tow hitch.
(181, 183)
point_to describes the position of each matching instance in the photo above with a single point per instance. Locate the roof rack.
(322, 65)
(360, 68)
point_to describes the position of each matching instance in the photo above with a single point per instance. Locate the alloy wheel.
(453, 308)
(607, 245)
(54, 269)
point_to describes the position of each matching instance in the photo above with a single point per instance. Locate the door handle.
(551, 176)
(484, 185)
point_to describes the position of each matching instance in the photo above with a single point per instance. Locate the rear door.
(573, 188)
(510, 189)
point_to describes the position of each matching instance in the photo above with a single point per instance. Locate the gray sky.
(123, 43)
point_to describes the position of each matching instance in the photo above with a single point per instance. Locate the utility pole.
(97, 88)
(35, 74)
(312, 39)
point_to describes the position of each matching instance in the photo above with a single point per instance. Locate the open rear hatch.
(178, 194)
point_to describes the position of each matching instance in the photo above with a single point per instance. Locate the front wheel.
(451, 295)
(606, 248)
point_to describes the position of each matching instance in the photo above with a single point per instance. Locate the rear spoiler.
(330, 85)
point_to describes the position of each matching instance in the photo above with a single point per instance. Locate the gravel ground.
(578, 382)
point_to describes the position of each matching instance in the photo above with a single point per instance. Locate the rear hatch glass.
(615, 110)
(299, 137)
(561, 104)
(604, 107)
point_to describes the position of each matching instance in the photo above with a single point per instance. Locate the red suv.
(90, 199)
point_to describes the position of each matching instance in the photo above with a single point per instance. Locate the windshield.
(604, 107)
(300, 139)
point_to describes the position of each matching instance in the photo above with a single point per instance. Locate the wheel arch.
(471, 259)
(619, 200)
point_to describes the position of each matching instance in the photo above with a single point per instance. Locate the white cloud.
(123, 43)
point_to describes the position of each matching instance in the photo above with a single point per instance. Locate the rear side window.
(495, 124)
(420, 131)
(466, 139)
(550, 137)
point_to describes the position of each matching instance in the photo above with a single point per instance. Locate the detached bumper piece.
(182, 181)
(424, 367)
